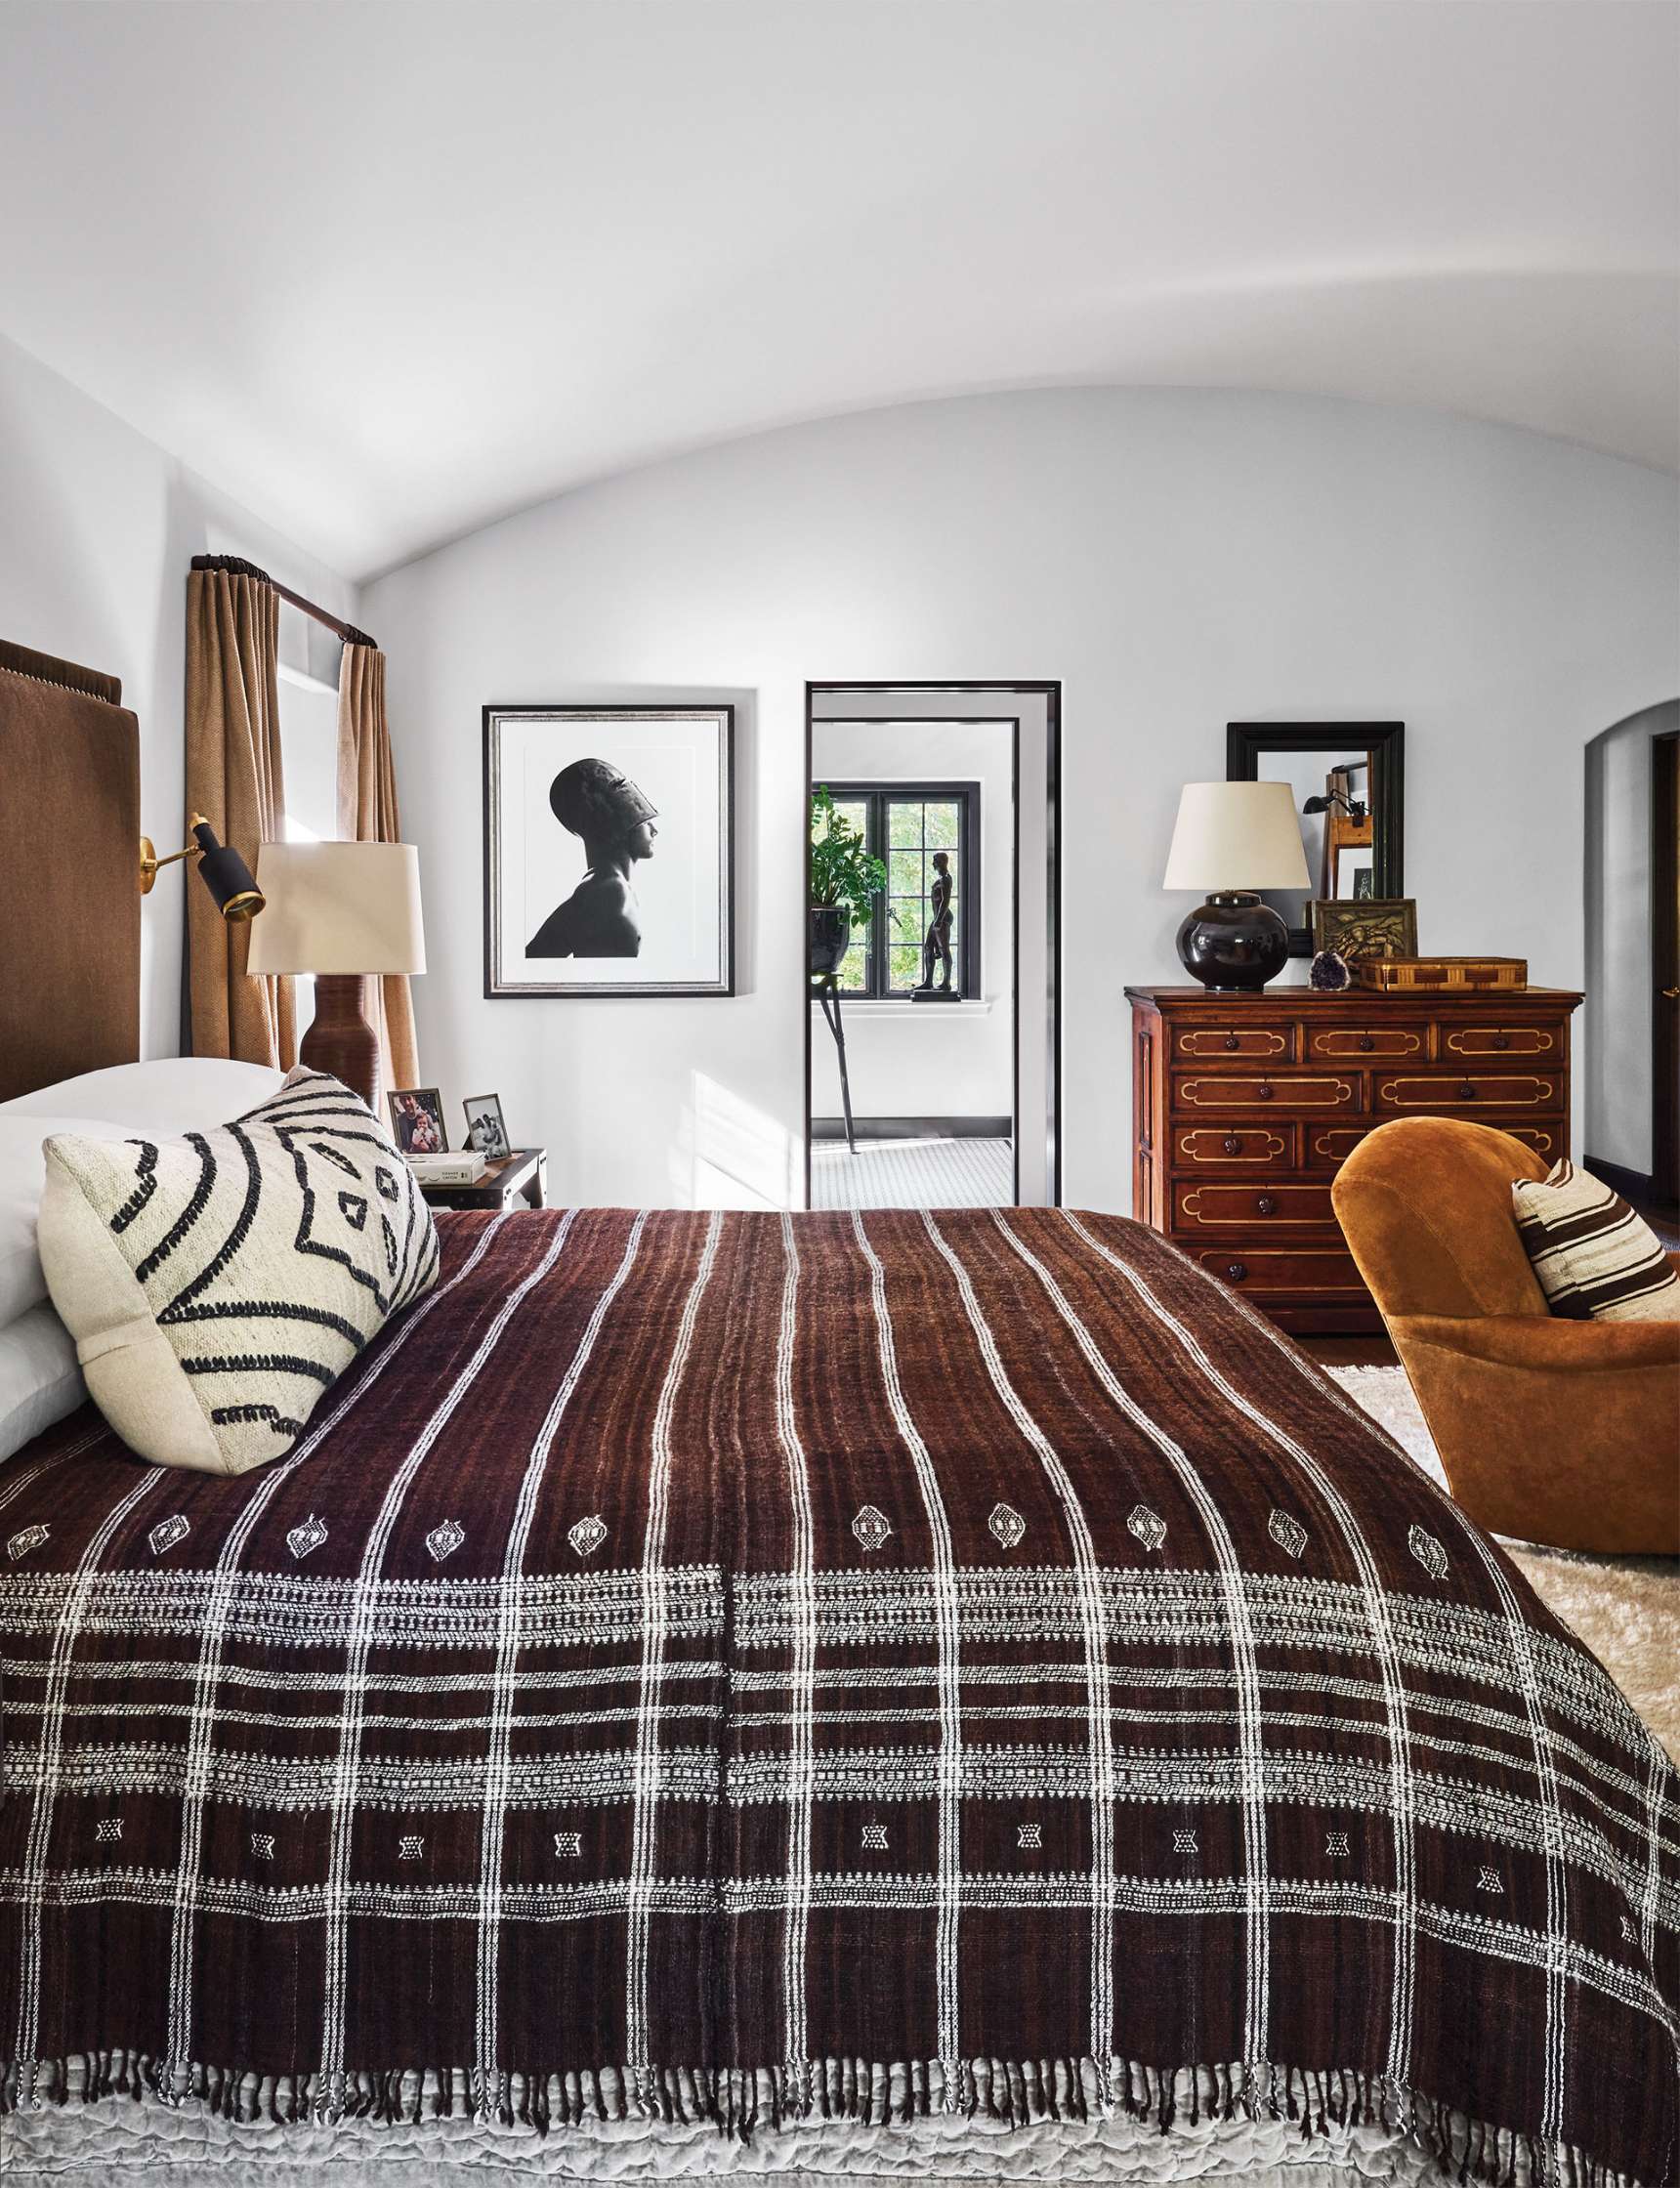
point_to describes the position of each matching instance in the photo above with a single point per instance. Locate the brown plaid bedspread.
(737, 1665)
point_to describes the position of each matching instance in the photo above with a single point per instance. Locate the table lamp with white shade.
(1233, 839)
(341, 912)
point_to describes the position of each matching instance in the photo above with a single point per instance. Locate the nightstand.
(520, 1176)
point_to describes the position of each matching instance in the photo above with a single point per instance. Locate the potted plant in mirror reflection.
(845, 881)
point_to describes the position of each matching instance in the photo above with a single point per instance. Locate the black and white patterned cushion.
(218, 1285)
(1597, 1260)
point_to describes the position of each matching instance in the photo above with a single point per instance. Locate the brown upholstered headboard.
(69, 886)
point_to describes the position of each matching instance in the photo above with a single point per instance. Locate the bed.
(810, 1696)
(812, 1677)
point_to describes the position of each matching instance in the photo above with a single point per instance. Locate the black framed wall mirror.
(1349, 781)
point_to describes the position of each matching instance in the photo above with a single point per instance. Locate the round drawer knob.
(1366, 1044)
(1501, 1040)
(1231, 1143)
(1264, 1093)
(1466, 1093)
(1266, 1204)
(1236, 1271)
(1231, 1041)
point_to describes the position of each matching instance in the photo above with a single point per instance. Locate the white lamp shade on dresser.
(339, 907)
(1236, 835)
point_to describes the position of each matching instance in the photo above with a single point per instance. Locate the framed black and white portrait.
(487, 1134)
(609, 851)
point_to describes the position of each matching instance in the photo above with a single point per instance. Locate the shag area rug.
(1626, 1608)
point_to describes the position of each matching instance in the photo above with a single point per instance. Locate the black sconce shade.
(226, 877)
(226, 874)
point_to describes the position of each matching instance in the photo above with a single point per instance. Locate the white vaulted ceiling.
(387, 272)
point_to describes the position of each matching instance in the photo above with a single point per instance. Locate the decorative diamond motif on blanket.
(1029, 1835)
(587, 1535)
(263, 1846)
(1007, 1525)
(1427, 1551)
(1183, 1842)
(1631, 1935)
(871, 1527)
(445, 1538)
(107, 1828)
(27, 1540)
(410, 1847)
(569, 1842)
(875, 1838)
(1289, 1533)
(308, 1535)
(1489, 1880)
(1336, 1844)
(1149, 1526)
(167, 1533)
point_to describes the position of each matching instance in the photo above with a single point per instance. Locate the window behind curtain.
(308, 759)
(903, 824)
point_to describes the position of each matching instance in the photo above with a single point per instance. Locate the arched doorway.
(1632, 911)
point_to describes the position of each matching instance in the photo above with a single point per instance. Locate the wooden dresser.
(1244, 1107)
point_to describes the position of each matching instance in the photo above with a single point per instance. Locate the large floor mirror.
(931, 1012)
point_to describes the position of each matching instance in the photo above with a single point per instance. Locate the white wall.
(931, 1059)
(1617, 1073)
(99, 529)
(1179, 559)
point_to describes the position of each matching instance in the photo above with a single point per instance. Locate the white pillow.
(23, 1174)
(218, 1286)
(171, 1094)
(39, 1379)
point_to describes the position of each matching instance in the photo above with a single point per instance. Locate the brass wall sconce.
(226, 874)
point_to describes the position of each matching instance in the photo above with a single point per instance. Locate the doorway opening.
(1632, 1011)
(933, 1049)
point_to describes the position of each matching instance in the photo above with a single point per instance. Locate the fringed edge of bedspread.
(738, 2100)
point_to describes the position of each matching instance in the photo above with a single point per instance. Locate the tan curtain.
(367, 813)
(235, 778)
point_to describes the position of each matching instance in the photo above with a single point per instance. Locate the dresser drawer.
(1242, 1147)
(1282, 1093)
(1383, 1043)
(1495, 1040)
(1253, 1209)
(1268, 1043)
(1327, 1147)
(1298, 1269)
(1399, 1094)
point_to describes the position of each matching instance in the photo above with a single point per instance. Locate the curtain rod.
(238, 568)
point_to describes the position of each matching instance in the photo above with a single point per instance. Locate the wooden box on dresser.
(1245, 1106)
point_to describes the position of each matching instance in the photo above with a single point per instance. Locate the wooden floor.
(1351, 1351)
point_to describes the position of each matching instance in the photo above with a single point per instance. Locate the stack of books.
(465, 1168)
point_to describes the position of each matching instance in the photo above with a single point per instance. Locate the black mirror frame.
(1244, 741)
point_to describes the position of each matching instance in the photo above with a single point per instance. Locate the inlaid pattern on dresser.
(1247, 1107)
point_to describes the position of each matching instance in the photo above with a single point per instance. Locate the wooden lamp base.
(340, 1040)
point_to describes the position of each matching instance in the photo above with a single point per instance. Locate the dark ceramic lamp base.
(340, 1040)
(1234, 944)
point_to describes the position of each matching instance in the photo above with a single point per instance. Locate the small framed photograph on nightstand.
(418, 1120)
(487, 1134)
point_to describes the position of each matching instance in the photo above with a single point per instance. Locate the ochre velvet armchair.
(1555, 1431)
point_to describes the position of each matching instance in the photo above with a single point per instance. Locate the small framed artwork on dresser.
(609, 851)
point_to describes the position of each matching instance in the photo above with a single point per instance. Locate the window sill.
(874, 1006)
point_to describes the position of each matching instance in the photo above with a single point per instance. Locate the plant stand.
(828, 992)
